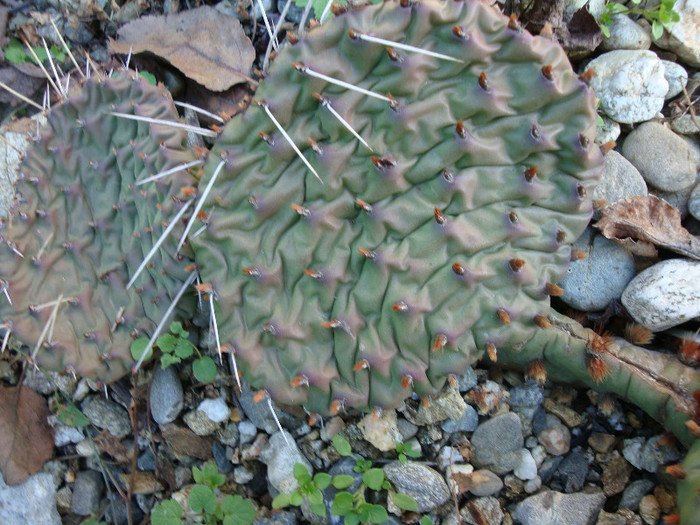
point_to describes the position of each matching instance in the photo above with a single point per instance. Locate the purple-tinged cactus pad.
(435, 239)
(81, 227)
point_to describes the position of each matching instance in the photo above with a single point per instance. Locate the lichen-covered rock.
(359, 270)
(81, 227)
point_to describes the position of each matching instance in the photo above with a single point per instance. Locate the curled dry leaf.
(26, 442)
(648, 219)
(207, 46)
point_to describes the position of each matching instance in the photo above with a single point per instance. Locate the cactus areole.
(399, 199)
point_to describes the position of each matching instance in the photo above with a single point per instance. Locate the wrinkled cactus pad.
(81, 227)
(430, 215)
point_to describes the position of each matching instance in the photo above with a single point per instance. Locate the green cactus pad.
(83, 227)
(414, 253)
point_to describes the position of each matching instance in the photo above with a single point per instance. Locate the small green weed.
(175, 347)
(16, 53)
(232, 510)
(352, 506)
(405, 451)
(662, 16)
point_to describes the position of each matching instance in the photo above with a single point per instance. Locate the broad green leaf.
(342, 481)
(183, 349)
(202, 499)
(300, 470)
(167, 512)
(425, 520)
(14, 52)
(71, 416)
(238, 511)
(656, 29)
(373, 478)
(404, 501)
(204, 369)
(281, 501)
(377, 514)
(342, 445)
(322, 480)
(167, 359)
(352, 519)
(166, 343)
(137, 348)
(318, 508)
(343, 504)
(315, 496)
(296, 498)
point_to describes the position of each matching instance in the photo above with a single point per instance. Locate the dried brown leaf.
(220, 55)
(26, 442)
(648, 219)
(111, 446)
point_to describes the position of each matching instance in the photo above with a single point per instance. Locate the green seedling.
(406, 451)
(203, 501)
(175, 347)
(16, 53)
(354, 507)
(662, 16)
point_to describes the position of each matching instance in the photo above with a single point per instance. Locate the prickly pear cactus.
(81, 227)
(398, 199)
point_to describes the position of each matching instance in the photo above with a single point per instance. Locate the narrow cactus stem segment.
(355, 35)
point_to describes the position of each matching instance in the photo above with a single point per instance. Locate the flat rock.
(684, 36)
(483, 483)
(556, 440)
(107, 414)
(422, 483)
(478, 511)
(592, 282)
(694, 202)
(634, 493)
(381, 431)
(554, 508)
(87, 492)
(685, 125)
(630, 84)
(199, 423)
(619, 180)
(34, 501)
(676, 76)
(165, 397)
(215, 409)
(280, 456)
(467, 422)
(447, 404)
(607, 131)
(663, 158)
(625, 33)
(664, 295)
(497, 443)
